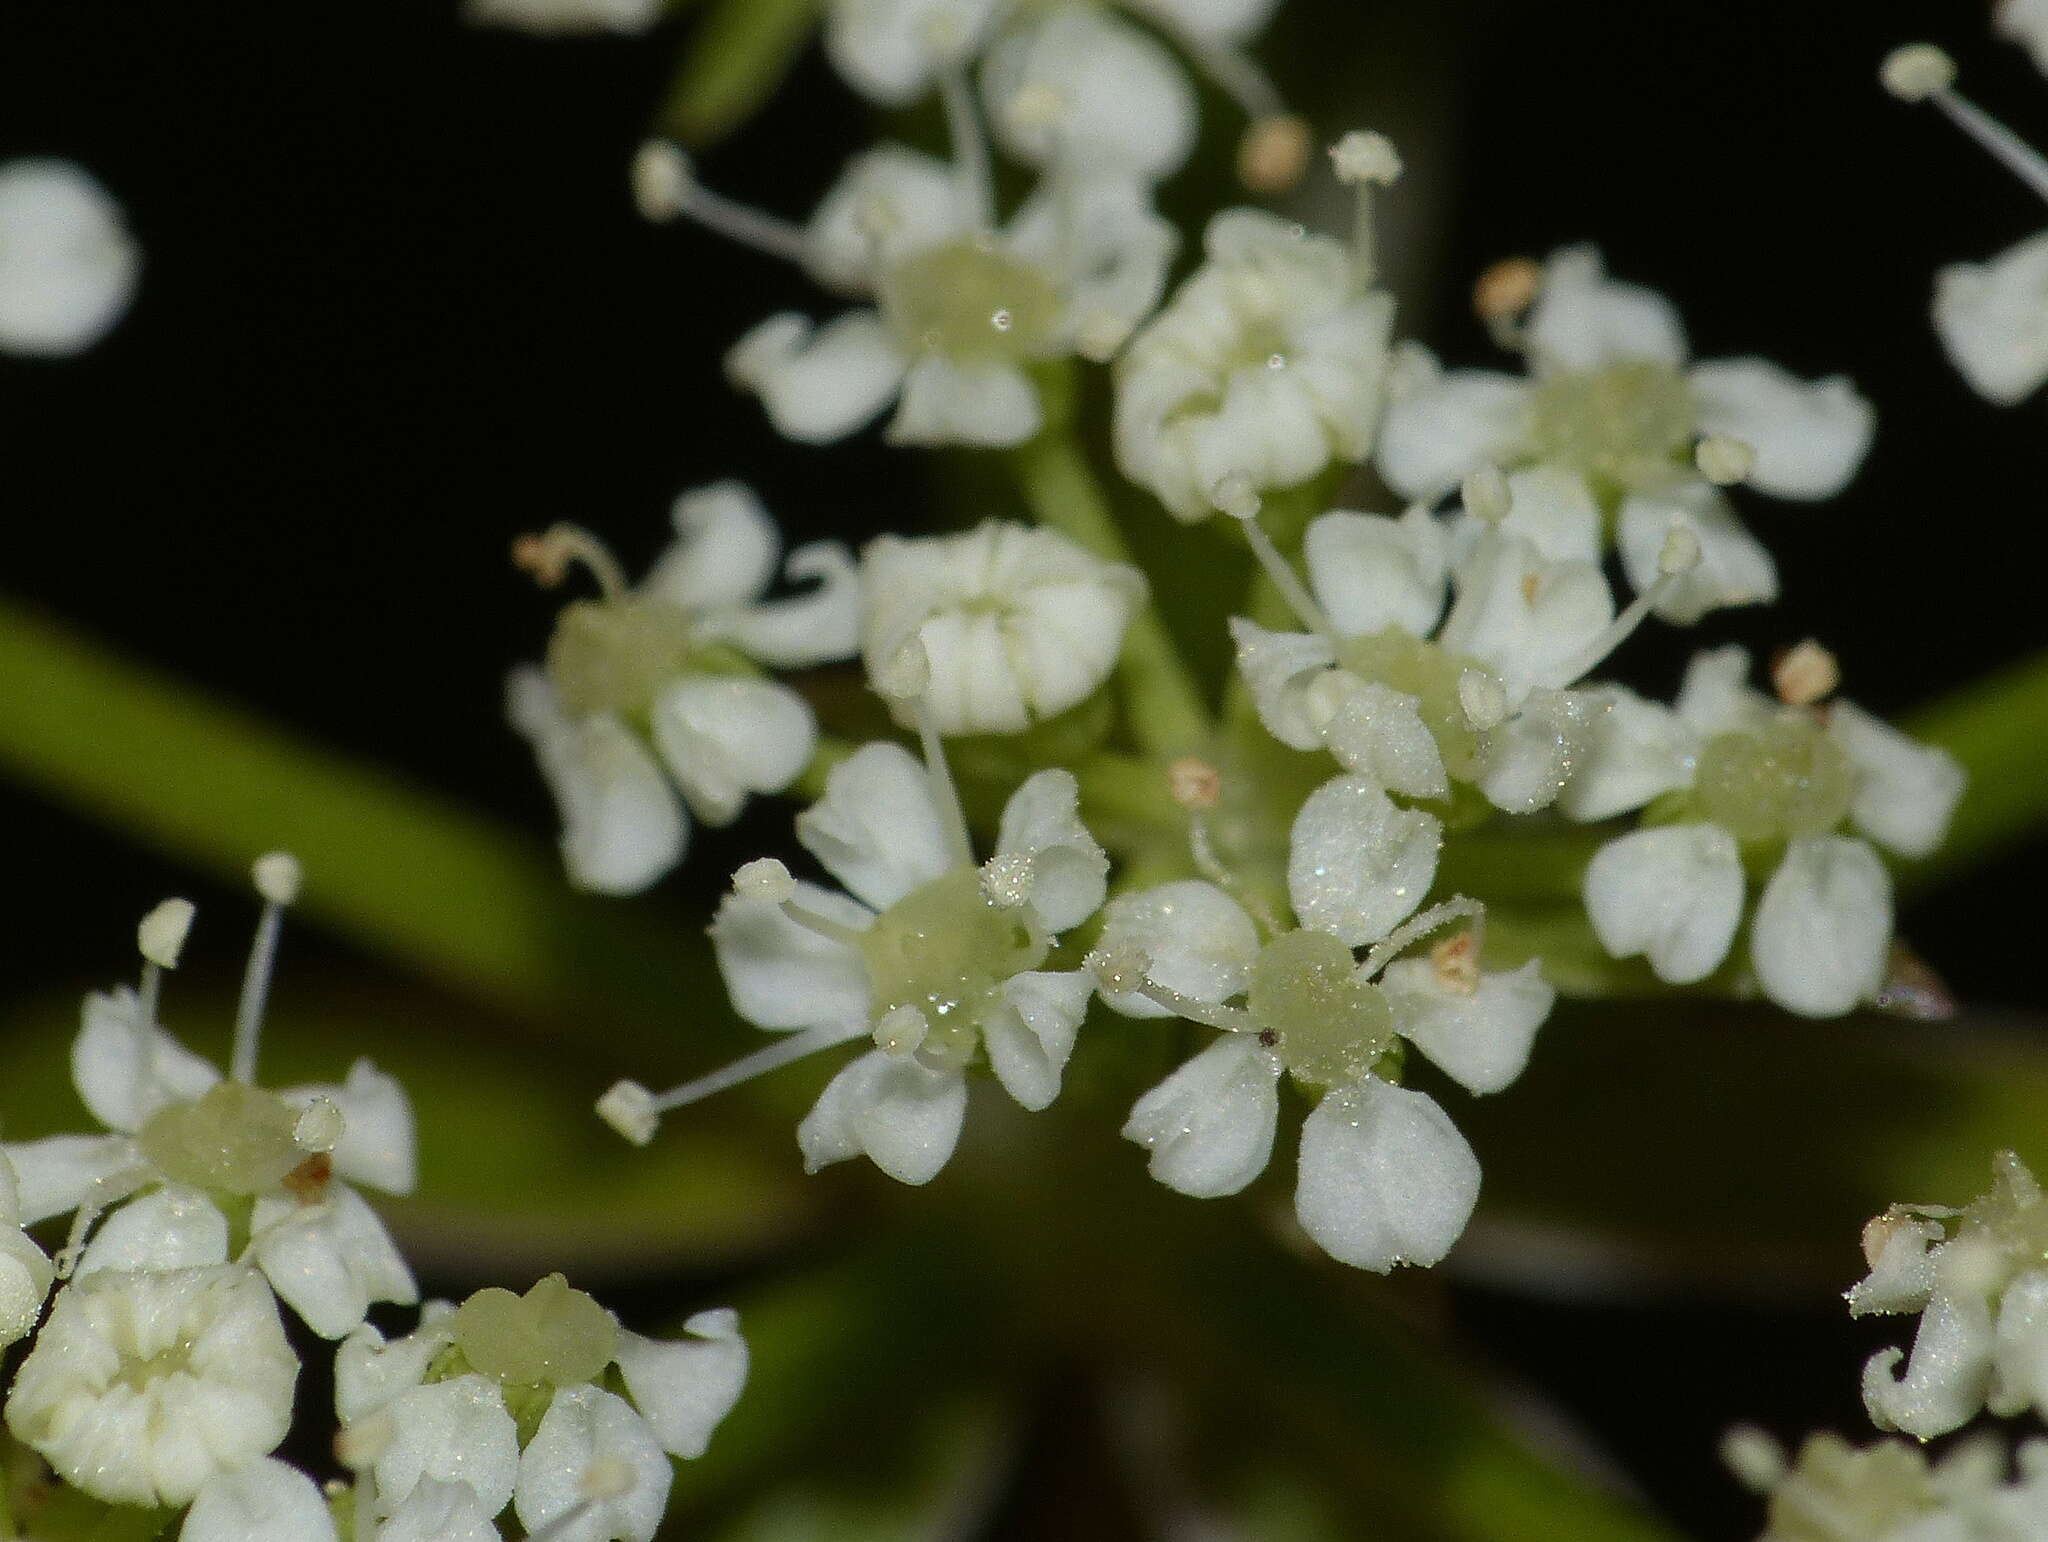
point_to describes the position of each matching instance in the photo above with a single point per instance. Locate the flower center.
(944, 949)
(971, 301)
(140, 1372)
(235, 1139)
(1627, 425)
(1328, 1025)
(1430, 674)
(616, 655)
(551, 1336)
(1784, 780)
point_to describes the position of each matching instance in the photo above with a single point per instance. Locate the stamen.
(1007, 880)
(1365, 161)
(1486, 494)
(1804, 674)
(160, 938)
(277, 880)
(901, 1031)
(1502, 295)
(972, 176)
(1124, 971)
(1396, 942)
(549, 556)
(1723, 459)
(665, 187)
(1483, 699)
(634, 1112)
(1920, 72)
(1274, 153)
(1234, 496)
(1679, 556)
(320, 1126)
(1757, 1461)
(100, 1197)
(1194, 784)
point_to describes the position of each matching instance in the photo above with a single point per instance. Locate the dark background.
(396, 308)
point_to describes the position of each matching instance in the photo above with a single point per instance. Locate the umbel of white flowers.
(68, 266)
(197, 1169)
(652, 704)
(1889, 1491)
(1384, 1176)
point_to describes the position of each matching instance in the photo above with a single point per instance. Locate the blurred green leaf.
(1996, 727)
(732, 64)
(412, 875)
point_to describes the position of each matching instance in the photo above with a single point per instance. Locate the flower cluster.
(1889, 1491)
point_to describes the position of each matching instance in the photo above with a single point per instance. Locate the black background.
(396, 308)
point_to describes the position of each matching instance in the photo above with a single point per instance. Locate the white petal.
(1582, 319)
(1209, 1126)
(1125, 105)
(905, 1117)
(1199, 940)
(439, 1512)
(1448, 425)
(1529, 620)
(1069, 871)
(1734, 567)
(724, 737)
(1370, 572)
(888, 203)
(330, 1260)
(724, 552)
(1636, 751)
(122, 1075)
(1385, 1177)
(820, 627)
(67, 265)
(1673, 894)
(378, 1143)
(369, 1372)
(1099, 231)
(1277, 668)
(819, 384)
(1716, 697)
(1809, 436)
(456, 1431)
(878, 829)
(1552, 509)
(1823, 926)
(59, 1172)
(1481, 1036)
(783, 975)
(1223, 20)
(585, 1426)
(1029, 1041)
(1906, 1271)
(1905, 790)
(2020, 1365)
(1063, 639)
(1527, 761)
(171, 1228)
(1357, 865)
(889, 50)
(685, 1387)
(1378, 732)
(265, 1501)
(1944, 1386)
(26, 1275)
(948, 401)
(1992, 317)
(622, 827)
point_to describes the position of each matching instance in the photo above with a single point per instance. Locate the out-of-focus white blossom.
(1888, 1491)
(552, 17)
(892, 51)
(1992, 317)
(1739, 772)
(2025, 22)
(651, 707)
(25, 1269)
(1075, 88)
(67, 263)
(1015, 623)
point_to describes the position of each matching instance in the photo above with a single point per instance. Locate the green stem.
(1995, 727)
(1167, 713)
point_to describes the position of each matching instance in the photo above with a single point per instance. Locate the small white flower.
(263, 1501)
(960, 309)
(67, 263)
(1889, 1491)
(1611, 402)
(1735, 769)
(553, 17)
(891, 51)
(1992, 317)
(1016, 623)
(1977, 1280)
(1385, 1178)
(653, 691)
(25, 1269)
(450, 1402)
(143, 1385)
(1076, 87)
(934, 957)
(1266, 364)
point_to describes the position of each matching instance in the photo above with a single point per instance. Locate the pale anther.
(1483, 698)
(1917, 71)
(901, 1031)
(1235, 496)
(277, 877)
(1723, 459)
(1006, 880)
(607, 1478)
(1757, 1460)
(629, 1109)
(1361, 156)
(1274, 153)
(1804, 674)
(320, 1126)
(161, 936)
(359, 1444)
(1486, 494)
(764, 879)
(1455, 961)
(1507, 288)
(908, 674)
(662, 179)
(1035, 107)
(1194, 784)
(1680, 552)
(1122, 969)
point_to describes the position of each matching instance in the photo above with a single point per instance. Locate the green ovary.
(616, 655)
(969, 301)
(1781, 782)
(1626, 425)
(236, 1139)
(945, 950)
(1328, 1026)
(552, 1336)
(1430, 674)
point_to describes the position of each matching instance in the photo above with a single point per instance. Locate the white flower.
(25, 1270)
(67, 263)
(960, 309)
(654, 690)
(1016, 623)
(1737, 770)
(1611, 402)
(449, 1403)
(143, 1385)
(1480, 699)
(2025, 22)
(1977, 1279)
(1992, 317)
(1889, 1491)
(935, 958)
(891, 51)
(1075, 87)
(551, 17)
(1266, 364)
(1385, 1178)
(264, 1501)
